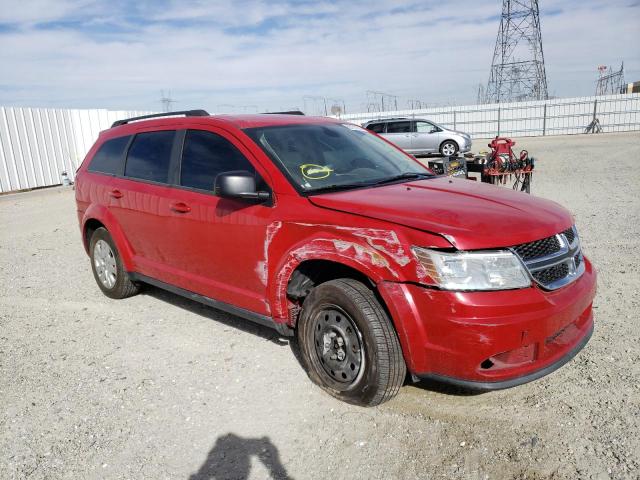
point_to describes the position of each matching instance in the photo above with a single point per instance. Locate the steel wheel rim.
(104, 262)
(448, 149)
(338, 345)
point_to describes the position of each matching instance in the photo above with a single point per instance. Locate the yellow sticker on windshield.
(315, 172)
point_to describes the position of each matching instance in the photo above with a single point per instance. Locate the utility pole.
(315, 99)
(379, 98)
(517, 70)
(166, 101)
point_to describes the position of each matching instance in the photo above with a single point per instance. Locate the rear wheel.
(107, 266)
(348, 344)
(448, 148)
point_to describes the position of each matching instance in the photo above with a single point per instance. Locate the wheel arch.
(98, 216)
(450, 140)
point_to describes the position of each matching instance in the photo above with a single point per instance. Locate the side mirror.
(239, 184)
(434, 130)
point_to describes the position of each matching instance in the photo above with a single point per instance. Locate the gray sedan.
(418, 136)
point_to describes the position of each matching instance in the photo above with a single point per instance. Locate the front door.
(217, 245)
(426, 138)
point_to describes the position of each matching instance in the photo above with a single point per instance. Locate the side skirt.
(281, 328)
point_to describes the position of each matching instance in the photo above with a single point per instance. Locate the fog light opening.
(487, 364)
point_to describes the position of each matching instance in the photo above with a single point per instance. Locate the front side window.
(150, 155)
(426, 127)
(334, 156)
(108, 158)
(399, 127)
(205, 155)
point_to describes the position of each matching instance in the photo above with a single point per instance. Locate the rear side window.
(149, 156)
(108, 158)
(205, 155)
(376, 127)
(399, 127)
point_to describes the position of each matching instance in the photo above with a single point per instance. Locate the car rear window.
(398, 127)
(205, 155)
(376, 127)
(108, 158)
(150, 155)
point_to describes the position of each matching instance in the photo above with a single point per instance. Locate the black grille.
(539, 248)
(551, 274)
(570, 235)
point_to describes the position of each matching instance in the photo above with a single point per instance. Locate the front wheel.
(449, 148)
(348, 344)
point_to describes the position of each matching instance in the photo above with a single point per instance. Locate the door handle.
(115, 193)
(180, 207)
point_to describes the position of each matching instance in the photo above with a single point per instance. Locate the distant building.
(631, 88)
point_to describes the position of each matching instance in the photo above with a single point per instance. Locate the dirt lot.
(159, 387)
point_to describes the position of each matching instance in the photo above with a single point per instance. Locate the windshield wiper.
(403, 176)
(337, 187)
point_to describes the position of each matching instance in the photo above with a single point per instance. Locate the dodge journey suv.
(325, 231)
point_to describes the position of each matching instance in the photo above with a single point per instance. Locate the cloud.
(273, 53)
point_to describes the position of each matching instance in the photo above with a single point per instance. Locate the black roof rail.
(186, 113)
(386, 119)
(290, 112)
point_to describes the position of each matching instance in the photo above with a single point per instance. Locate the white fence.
(560, 116)
(38, 144)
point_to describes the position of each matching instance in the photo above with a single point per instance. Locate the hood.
(471, 215)
(457, 132)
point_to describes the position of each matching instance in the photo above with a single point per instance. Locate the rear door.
(217, 246)
(140, 199)
(426, 137)
(399, 133)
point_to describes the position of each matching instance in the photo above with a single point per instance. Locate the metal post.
(498, 121)
(595, 109)
(544, 120)
(454, 119)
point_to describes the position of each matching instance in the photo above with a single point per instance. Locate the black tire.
(366, 332)
(449, 143)
(122, 287)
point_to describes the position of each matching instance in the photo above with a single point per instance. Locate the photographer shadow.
(230, 458)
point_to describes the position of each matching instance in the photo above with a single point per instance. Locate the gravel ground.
(160, 387)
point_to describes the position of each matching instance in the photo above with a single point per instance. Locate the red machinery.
(501, 165)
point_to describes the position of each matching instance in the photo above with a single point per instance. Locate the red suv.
(323, 230)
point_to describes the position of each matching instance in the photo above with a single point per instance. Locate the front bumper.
(491, 340)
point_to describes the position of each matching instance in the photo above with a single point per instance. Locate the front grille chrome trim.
(567, 254)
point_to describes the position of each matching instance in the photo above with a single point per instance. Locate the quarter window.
(108, 158)
(376, 127)
(399, 127)
(205, 155)
(150, 155)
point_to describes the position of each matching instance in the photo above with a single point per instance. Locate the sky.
(248, 56)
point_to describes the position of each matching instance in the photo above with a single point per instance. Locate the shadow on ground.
(230, 458)
(274, 337)
(217, 315)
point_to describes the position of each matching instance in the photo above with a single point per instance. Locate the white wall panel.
(38, 144)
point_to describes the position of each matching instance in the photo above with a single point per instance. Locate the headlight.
(499, 270)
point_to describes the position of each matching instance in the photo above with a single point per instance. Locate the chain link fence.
(566, 116)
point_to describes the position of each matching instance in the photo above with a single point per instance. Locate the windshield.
(334, 156)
